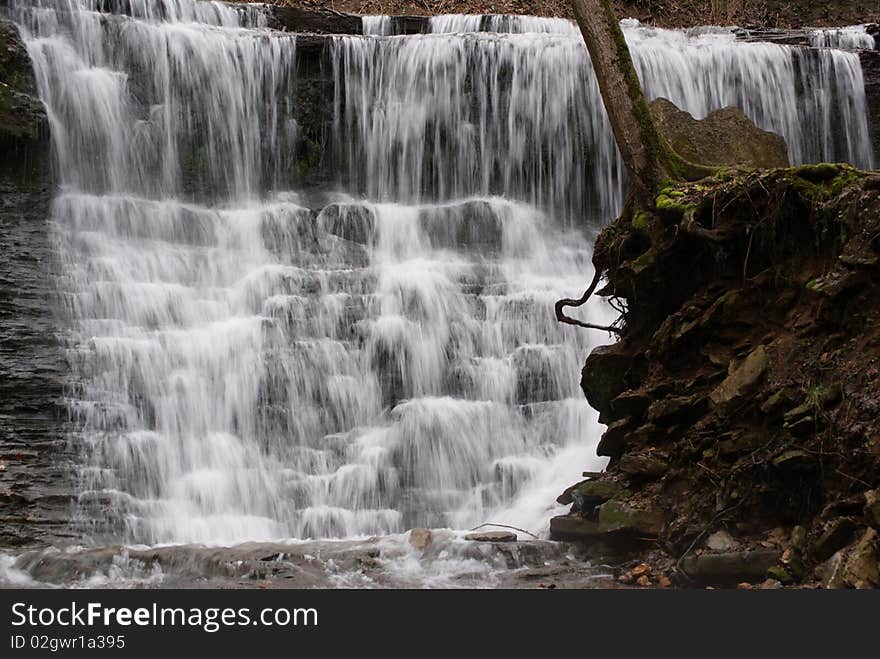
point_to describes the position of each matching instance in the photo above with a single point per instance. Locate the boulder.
(591, 493)
(726, 137)
(607, 372)
(721, 541)
(630, 403)
(730, 568)
(615, 439)
(420, 538)
(619, 517)
(573, 528)
(743, 379)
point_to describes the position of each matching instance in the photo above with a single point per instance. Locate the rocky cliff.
(35, 488)
(742, 398)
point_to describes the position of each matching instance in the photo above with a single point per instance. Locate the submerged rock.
(420, 538)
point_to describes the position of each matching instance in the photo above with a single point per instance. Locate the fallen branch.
(568, 302)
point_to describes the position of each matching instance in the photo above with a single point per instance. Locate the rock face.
(725, 137)
(754, 404)
(22, 115)
(35, 474)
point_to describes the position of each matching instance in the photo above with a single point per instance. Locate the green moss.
(669, 207)
(642, 220)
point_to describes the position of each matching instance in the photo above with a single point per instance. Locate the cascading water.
(249, 363)
(850, 37)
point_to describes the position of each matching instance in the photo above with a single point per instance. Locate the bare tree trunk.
(648, 157)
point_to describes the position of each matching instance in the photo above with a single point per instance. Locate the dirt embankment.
(664, 13)
(743, 398)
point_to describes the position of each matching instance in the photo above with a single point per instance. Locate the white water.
(850, 37)
(452, 115)
(245, 367)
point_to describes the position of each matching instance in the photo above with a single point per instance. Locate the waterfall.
(851, 37)
(254, 358)
(479, 112)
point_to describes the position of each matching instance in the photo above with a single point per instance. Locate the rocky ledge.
(743, 397)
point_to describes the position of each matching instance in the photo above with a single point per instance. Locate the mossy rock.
(619, 517)
(726, 137)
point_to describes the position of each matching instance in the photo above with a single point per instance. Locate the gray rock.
(591, 493)
(744, 378)
(721, 541)
(573, 528)
(730, 567)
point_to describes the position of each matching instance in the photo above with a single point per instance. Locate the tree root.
(568, 302)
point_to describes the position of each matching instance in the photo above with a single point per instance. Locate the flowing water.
(256, 360)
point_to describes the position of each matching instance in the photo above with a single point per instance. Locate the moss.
(780, 574)
(669, 207)
(642, 220)
(824, 181)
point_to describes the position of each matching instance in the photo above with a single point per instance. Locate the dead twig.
(568, 302)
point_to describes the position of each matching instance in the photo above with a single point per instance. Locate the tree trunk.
(647, 156)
